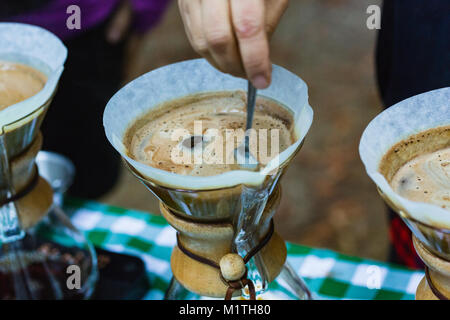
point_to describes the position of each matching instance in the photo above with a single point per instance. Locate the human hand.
(233, 35)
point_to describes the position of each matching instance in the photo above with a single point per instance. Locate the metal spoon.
(242, 153)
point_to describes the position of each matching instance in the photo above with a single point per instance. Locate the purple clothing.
(53, 16)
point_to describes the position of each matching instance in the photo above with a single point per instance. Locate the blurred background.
(328, 201)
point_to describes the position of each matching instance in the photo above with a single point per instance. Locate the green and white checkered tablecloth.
(328, 274)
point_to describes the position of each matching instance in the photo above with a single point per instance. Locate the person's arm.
(141, 15)
(147, 13)
(233, 35)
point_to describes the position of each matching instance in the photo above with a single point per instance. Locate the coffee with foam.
(426, 178)
(418, 168)
(208, 127)
(18, 82)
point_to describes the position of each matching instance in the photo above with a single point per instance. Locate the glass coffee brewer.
(38, 244)
(227, 245)
(416, 126)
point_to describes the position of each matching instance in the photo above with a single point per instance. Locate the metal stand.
(175, 291)
(295, 283)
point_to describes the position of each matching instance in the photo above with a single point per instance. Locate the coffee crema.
(426, 178)
(208, 127)
(18, 82)
(418, 168)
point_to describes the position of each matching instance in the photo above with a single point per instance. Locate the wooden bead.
(232, 267)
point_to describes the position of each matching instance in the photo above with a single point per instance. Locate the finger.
(274, 11)
(249, 27)
(191, 14)
(219, 36)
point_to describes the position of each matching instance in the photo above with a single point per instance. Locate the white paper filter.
(406, 118)
(38, 48)
(190, 77)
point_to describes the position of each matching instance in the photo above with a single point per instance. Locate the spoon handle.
(251, 99)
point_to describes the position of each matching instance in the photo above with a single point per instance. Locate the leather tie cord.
(435, 290)
(244, 281)
(22, 193)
